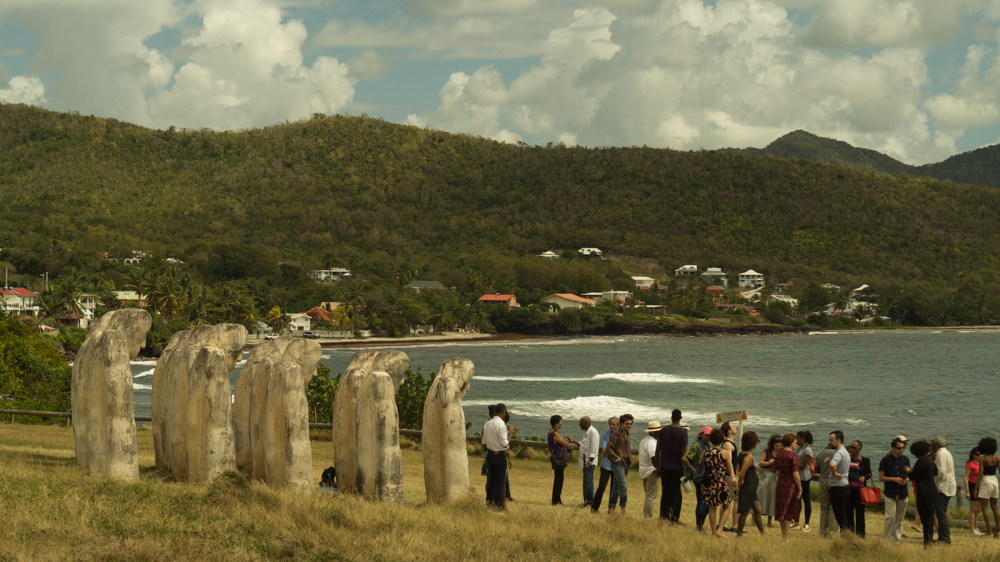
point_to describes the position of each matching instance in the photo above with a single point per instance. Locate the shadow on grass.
(47, 461)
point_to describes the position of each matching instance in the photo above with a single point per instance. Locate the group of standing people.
(733, 480)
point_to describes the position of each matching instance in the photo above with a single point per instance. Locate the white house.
(330, 275)
(642, 282)
(715, 276)
(590, 252)
(751, 278)
(792, 301)
(859, 290)
(614, 295)
(566, 300)
(686, 270)
(299, 322)
(549, 255)
(88, 302)
(19, 301)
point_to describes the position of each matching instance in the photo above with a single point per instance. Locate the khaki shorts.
(988, 487)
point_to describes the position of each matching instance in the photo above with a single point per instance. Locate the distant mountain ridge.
(980, 166)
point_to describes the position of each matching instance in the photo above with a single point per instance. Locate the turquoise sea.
(870, 385)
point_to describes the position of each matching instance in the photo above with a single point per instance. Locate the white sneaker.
(976, 533)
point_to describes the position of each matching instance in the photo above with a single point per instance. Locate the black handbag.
(700, 472)
(558, 464)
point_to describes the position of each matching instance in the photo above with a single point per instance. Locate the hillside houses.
(19, 301)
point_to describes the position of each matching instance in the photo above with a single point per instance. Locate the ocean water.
(872, 386)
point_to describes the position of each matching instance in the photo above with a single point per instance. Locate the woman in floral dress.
(715, 488)
(789, 488)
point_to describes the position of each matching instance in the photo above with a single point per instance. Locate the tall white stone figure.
(446, 461)
(102, 397)
(366, 426)
(271, 414)
(192, 402)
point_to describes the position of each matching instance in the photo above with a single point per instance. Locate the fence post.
(12, 419)
(958, 497)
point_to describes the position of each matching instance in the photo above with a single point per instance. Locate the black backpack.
(329, 478)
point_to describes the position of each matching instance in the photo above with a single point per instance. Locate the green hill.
(370, 194)
(980, 166)
(807, 146)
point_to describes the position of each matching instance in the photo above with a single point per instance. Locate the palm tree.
(137, 280)
(201, 307)
(70, 291)
(841, 302)
(276, 320)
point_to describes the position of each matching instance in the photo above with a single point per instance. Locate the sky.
(916, 79)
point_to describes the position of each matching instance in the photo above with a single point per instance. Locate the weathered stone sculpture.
(271, 414)
(366, 426)
(192, 402)
(446, 461)
(103, 411)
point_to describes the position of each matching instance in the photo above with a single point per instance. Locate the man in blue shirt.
(892, 472)
(606, 473)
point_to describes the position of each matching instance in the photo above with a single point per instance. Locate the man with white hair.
(946, 485)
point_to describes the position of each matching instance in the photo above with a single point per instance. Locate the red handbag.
(871, 495)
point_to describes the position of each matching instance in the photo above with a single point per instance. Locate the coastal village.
(743, 293)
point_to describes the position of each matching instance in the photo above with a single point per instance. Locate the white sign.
(738, 415)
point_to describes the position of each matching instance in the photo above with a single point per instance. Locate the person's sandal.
(805, 528)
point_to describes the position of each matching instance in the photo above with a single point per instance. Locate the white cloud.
(690, 75)
(369, 65)
(838, 24)
(239, 66)
(246, 69)
(451, 8)
(23, 89)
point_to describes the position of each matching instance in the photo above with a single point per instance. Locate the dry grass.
(52, 512)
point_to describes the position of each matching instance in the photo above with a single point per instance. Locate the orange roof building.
(509, 300)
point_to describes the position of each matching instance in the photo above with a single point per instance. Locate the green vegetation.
(410, 397)
(249, 213)
(33, 376)
(980, 166)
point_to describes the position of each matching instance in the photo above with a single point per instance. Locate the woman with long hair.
(746, 470)
(789, 486)
(558, 455)
(971, 490)
(803, 443)
(718, 474)
(767, 487)
(987, 486)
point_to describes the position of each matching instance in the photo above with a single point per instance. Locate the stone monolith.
(366, 425)
(446, 461)
(192, 402)
(102, 395)
(271, 414)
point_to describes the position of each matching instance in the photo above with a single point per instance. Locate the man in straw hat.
(647, 471)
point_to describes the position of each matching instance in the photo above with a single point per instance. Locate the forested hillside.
(980, 166)
(368, 194)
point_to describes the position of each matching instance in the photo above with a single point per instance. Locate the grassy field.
(52, 512)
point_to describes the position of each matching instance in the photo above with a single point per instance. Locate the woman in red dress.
(786, 503)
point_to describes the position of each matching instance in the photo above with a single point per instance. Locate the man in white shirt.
(589, 446)
(945, 481)
(840, 465)
(648, 473)
(495, 442)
